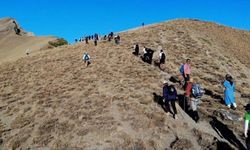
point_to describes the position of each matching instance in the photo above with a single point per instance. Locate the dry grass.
(52, 101)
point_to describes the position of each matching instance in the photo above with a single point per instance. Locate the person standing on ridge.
(229, 92)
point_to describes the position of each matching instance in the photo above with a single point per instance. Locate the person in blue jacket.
(170, 96)
(229, 92)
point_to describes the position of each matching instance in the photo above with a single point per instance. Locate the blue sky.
(71, 19)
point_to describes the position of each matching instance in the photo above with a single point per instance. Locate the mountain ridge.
(52, 101)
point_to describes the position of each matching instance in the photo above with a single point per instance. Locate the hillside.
(14, 46)
(52, 101)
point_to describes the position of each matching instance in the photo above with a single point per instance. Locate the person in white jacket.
(86, 59)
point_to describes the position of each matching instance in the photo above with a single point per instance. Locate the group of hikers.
(148, 55)
(192, 95)
(193, 91)
(97, 38)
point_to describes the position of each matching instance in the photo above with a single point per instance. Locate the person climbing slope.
(193, 93)
(86, 59)
(170, 96)
(162, 58)
(136, 50)
(229, 96)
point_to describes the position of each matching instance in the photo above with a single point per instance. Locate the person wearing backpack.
(145, 57)
(229, 92)
(187, 71)
(193, 93)
(86, 59)
(162, 58)
(246, 126)
(170, 96)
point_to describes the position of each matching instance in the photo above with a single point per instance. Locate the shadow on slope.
(224, 132)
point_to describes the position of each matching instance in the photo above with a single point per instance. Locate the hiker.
(112, 35)
(193, 93)
(170, 96)
(136, 50)
(86, 59)
(187, 71)
(86, 40)
(229, 92)
(96, 36)
(117, 39)
(17, 30)
(246, 126)
(143, 57)
(142, 24)
(148, 55)
(162, 58)
(95, 42)
(109, 37)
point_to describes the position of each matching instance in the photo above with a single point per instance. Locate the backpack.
(171, 93)
(182, 69)
(86, 57)
(197, 91)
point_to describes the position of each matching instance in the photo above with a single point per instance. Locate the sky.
(72, 19)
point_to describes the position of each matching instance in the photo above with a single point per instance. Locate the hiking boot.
(234, 108)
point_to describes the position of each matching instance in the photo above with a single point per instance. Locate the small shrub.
(58, 42)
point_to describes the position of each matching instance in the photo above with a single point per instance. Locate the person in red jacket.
(189, 98)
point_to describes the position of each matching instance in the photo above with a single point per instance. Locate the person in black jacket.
(162, 58)
(136, 50)
(170, 96)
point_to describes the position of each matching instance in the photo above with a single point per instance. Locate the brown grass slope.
(14, 46)
(51, 101)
